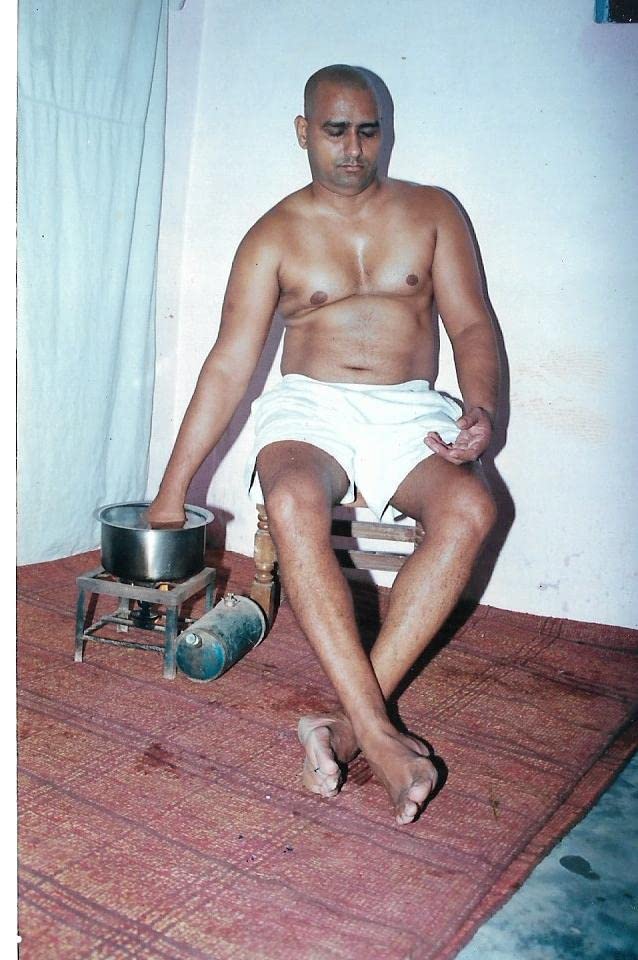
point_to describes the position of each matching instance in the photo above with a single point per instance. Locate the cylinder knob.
(192, 640)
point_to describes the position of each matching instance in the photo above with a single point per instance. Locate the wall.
(527, 115)
(185, 43)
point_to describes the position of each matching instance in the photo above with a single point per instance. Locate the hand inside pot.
(161, 516)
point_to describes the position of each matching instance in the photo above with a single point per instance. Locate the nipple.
(318, 297)
(412, 279)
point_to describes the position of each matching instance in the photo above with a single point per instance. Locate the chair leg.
(264, 586)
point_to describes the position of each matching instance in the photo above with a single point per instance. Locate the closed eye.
(367, 130)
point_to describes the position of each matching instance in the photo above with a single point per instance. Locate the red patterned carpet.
(165, 820)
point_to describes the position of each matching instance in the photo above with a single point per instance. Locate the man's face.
(342, 137)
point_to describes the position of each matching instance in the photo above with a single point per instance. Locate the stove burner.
(145, 616)
(157, 610)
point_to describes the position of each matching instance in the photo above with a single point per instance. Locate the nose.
(352, 145)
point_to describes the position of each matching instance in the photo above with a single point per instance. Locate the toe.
(324, 763)
(321, 772)
(412, 800)
(408, 812)
(319, 752)
(316, 783)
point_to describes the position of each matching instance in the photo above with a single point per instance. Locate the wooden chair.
(266, 590)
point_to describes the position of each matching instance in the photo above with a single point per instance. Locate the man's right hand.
(160, 516)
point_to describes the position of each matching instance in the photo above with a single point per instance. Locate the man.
(352, 262)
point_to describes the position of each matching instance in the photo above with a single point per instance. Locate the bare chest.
(330, 265)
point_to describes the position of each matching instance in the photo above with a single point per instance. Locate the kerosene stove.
(151, 573)
(152, 607)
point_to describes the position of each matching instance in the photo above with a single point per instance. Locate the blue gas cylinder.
(212, 644)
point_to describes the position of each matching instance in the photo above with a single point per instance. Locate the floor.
(581, 901)
(530, 714)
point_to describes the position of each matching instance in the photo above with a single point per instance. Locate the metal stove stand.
(169, 595)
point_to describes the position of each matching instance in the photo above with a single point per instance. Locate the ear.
(301, 126)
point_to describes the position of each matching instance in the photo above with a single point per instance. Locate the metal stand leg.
(123, 610)
(79, 629)
(208, 599)
(170, 644)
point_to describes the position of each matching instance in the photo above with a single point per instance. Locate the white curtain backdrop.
(91, 119)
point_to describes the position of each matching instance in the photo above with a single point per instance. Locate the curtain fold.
(91, 122)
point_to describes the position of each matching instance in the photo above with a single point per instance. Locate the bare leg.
(300, 483)
(456, 511)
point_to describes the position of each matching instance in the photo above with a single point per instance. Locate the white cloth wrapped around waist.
(375, 432)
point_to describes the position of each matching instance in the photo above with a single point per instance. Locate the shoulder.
(435, 202)
(270, 232)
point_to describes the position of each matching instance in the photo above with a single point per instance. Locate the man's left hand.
(472, 441)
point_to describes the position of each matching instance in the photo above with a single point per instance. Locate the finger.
(452, 456)
(464, 452)
(434, 442)
(453, 452)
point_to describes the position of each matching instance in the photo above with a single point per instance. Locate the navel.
(318, 297)
(412, 279)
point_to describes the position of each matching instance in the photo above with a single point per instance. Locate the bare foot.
(402, 764)
(329, 743)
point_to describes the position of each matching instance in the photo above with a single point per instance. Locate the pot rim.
(202, 512)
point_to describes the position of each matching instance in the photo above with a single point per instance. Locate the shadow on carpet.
(166, 820)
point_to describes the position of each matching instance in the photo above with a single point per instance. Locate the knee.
(480, 513)
(294, 502)
(471, 515)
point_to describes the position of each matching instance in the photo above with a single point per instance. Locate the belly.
(365, 339)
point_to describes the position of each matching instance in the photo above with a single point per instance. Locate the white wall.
(185, 36)
(528, 114)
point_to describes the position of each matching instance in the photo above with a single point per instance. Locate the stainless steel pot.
(132, 550)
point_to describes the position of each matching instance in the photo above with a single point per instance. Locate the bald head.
(340, 74)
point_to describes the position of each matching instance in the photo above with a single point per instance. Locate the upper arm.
(457, 282)
(250, 300)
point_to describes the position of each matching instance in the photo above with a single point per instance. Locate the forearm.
(477, 367)
(217, 394)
